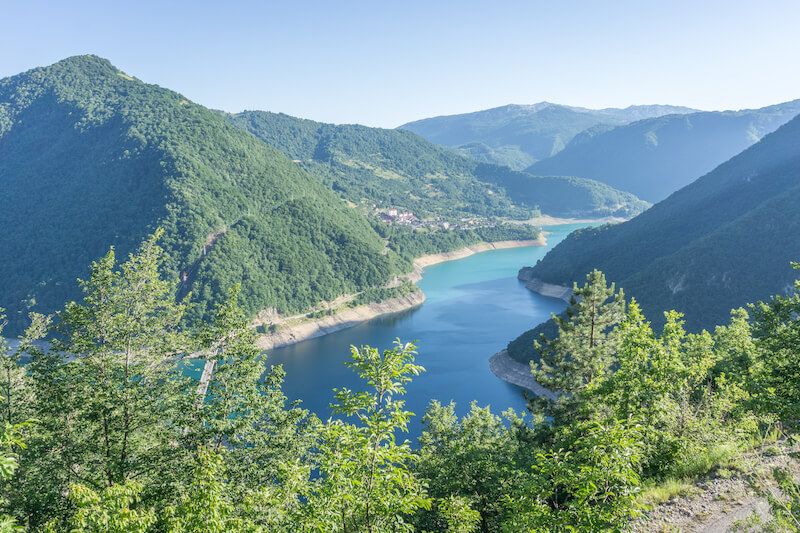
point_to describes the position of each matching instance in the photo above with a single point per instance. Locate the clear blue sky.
(386, 63)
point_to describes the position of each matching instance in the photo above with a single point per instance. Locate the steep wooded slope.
(725, 240)
(91, 157)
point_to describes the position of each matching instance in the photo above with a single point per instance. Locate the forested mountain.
(723, 241)
(519, 135)
(654, 157)
(399, 168)
(90, 156)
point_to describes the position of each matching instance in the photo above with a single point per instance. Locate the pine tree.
(583, 350)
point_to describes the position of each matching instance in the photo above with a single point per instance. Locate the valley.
(632, 269)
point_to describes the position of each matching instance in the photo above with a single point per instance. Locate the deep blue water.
(474, 307)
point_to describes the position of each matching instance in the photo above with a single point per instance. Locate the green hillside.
(723, 241)
(652, 158)
(399, 168)
(563, 195)
(386, 167)
(519, 135)
(90, 156)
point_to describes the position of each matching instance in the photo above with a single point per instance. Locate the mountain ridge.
(399, 168)
(654, 157)
(524, 133)
(90, 157)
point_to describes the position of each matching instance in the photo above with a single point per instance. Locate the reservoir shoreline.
(539, 286)
(512, 371)
(349, 318)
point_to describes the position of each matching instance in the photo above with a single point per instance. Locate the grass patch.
(662, 492)
(704, 461)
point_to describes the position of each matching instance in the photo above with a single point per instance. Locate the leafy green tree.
(587, 483)
(206, 506)
(109, 392)
(366, 483)
(673, 387)
(582, 352)
(735, 342)
(9, 439)
(110, 510)
(776, 329)
(10, 375)
(460, 517)
(242, 412)
(474, 460)
(15, 391)
(124, 339)
(641, 376)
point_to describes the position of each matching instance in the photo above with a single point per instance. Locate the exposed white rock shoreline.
(545, 289)
(342, 320)
(512, 371)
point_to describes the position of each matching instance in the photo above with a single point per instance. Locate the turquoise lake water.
(474, 307)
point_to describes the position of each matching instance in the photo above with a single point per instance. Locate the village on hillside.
(394, 215)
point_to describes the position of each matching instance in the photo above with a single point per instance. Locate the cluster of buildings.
(395, 216)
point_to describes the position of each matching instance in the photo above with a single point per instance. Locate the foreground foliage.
(116, 428)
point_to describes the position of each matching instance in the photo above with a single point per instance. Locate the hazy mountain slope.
(400, 168)
(725, 240)
(90, 157)
(562, 195)
(657, 156)
(519, 135)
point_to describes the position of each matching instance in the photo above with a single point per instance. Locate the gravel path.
(719, 502)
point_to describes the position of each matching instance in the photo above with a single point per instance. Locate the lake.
(474, 307)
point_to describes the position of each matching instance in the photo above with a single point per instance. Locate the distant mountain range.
(723, 241)
(520, 135)
(654, 157)
(400, 168)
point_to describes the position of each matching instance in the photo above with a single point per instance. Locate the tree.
(110, 510)
(241, 411)
(587, 483)
(366, 482)
(206, 506)
(776, 329)
(109, 392)
(583, 350)
(665, 385)
(474, 461)
(9, 439)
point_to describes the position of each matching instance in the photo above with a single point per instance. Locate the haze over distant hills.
(656, 156)
(400, 168)
(519, 135)
(723, 241)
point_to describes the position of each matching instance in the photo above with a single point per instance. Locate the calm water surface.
(474, 307)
